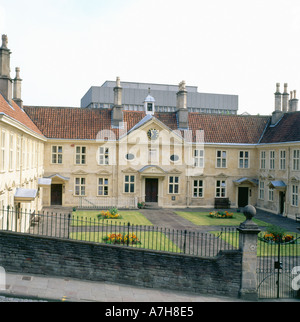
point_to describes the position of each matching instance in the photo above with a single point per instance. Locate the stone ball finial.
(249, 212)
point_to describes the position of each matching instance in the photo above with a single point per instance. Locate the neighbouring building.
(118, 155)
(21, 148)
(134, 95)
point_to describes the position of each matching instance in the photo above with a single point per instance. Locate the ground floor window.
(198, 189)
(221, 189)
(102, 187)
(80, 185)
(295, 195)
(261, 190)
(271, 194)
(129, 184)
(173, 185)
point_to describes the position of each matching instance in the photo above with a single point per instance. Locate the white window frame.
(81, 155)
(103, 155)
(271, 194)
(173, 187)
(18, 153)
(80, 187)
(261, 190)
(296, 160)
(222, 159)
(221, 189)
(129, 183)
(198, 188)
(57, 154)
(103, 187)
(244, 161)
(11, 151)
(3, 154)
(272, 159)
(282, 160)
(295, 195)
(199, 158)
(262, 160)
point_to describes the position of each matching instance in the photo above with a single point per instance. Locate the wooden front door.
(243, 197)
(151, 190)
(56, 194)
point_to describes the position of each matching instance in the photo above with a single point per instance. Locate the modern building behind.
(134, 95)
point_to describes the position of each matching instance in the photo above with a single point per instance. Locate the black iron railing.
(110, 232)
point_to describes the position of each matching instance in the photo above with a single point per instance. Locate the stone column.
(248, 245)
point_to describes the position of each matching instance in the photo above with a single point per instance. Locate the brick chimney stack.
(5, 80)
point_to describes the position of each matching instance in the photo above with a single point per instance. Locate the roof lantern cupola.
(149, 104)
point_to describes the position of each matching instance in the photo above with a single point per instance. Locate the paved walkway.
(62, 289)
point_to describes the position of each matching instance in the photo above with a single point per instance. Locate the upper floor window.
(57, 154)
(11, 151)
(80, 155)
(244, 160)
(199, 158)
(221, 159)
(272, 160)
(3, 140)
(296, 160)
(262, 159)
(282, 164)
(103, 156)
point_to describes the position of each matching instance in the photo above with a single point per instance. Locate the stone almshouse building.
(118, 157)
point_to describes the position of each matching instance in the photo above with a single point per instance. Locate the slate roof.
(15, 112)
(85, 124)
(286, 130)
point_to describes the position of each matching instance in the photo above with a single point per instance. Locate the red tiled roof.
(85, 124)
(287, 130)
(15, 112)
(77, 123)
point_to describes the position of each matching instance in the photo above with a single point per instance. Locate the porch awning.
(279, 185)
(25, 195)
(253, 182)
(44, 182)
(58, 176)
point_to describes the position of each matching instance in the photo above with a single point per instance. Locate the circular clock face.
(153, 134)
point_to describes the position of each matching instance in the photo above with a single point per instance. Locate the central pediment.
(152, 170)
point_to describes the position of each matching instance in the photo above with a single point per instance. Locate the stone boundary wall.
(24, 254)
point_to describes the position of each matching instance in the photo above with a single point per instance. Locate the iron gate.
(277, 267)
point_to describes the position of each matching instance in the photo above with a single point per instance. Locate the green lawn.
(203, 219)
(153, 240)
(263, 248)
(89, 218)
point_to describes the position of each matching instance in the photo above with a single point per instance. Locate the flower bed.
(221, 215)
(122, 239)
(277, 235)
(110, 214)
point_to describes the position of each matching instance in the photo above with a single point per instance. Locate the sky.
(240, 47)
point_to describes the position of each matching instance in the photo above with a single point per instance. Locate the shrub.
(110, 214)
